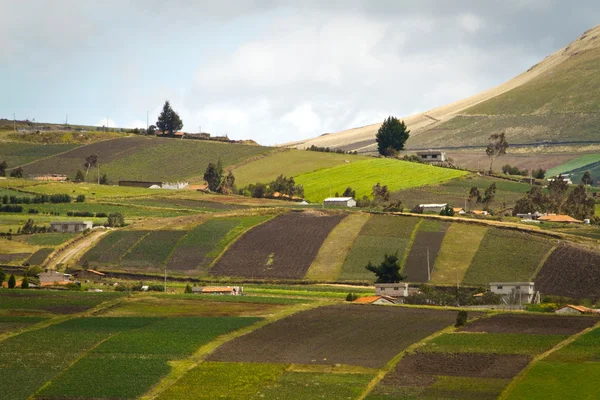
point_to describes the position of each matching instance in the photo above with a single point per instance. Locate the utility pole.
(14, 122)
(428, 270)
(165, 277)
(147, 126)
(98, 173)
(67, 120)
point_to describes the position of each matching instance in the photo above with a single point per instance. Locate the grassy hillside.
(289, 162)
(16, 154)
(363, 175)
(147, 158)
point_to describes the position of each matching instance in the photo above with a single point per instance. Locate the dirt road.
(72, 252)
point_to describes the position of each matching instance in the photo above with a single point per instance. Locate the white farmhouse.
(433, 208)
(391, 289)
(432, 156)
(71, 226)
(340, 201)
(515, 292)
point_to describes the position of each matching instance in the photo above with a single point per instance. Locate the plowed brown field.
(342, 334)
(281, 248)
(571, 272)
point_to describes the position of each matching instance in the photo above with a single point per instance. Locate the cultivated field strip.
(424, 250)
(340, 334)
(478, 361)
(153, 250)
(506, 256)
(283, 247)
(382, 234)
(572, 272)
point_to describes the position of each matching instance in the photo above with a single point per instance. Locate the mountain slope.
(555, 100)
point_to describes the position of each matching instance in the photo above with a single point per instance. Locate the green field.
(51, 302)
(16, 154)
(456, 191)
(39, 256)
(459, 247)
(131, 362)
(363, 175)
(571, 372)
(111, 247)
(49, 239)
(289, 162)
(506, 256)
(137, 158)
(379, 236)
(12, 324)
(577, 163)
(153, 250)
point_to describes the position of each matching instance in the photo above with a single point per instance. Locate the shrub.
(80, 198)
(461, 318)
(116, 220)
(352, 297)
(25, 283)
(188, 289)
(12, 281)
(33, 271)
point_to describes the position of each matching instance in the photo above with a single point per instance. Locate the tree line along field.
(114, 346)
(335, 246)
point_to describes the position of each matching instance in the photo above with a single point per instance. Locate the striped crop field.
(363, 175)
(382, 234)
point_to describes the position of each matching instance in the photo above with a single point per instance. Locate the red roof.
(559, 218)
(371, 299)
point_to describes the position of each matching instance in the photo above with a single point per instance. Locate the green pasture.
(49, 239)
(50, 302)
(290, 162)
(380, 235)
(577, 163)
(506, 256)
(16, 154)
(363, 175)
(13, 324)
(492, 343)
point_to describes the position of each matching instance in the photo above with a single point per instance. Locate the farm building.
(53, 277)
(375, 300)
(71, 226)
(50, 177)
(433, 156)
(459, 210)
(517, 292)
(340, 201)
(432, 208)
(391, 289)
(564, 219)
(570, 309)
(479, 212)
(89, 274)
(221, 290)
(140, 184)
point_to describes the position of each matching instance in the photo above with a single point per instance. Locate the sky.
(268, 70)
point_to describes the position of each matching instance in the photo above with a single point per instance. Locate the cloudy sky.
(271, 70)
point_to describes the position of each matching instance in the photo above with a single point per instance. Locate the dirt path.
(73, 251)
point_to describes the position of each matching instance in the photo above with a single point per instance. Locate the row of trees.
(15, 173)
(286, 187)
(538, 173)
(217, 180)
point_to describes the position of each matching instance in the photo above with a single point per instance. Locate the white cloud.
(303, 119)
(111, 123)
(470, 22)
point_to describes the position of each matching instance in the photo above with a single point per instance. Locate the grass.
(586, 348)
(49, 239)
(310, 385)
(40, 256)
(16, 154)
(290, 162)
(211, 380)
(380, 235)
(128, 211)
(12, 324)
(362, 175)
(459, 247)
(506, 256)
(492, 343)
(329, 261)
(577, 163)
(153, 250)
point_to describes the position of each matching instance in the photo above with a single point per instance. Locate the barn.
(71, 226)
(340, 201)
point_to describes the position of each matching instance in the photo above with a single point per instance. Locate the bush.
(352, 297)
(33, 271)
(447, 211)
(25, 283)
(80, 198)
(461, 318)
(188, 289)
(12, 281)
(116, 220)
(101, 215)
(11, 209)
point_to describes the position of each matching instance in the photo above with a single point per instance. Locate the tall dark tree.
(392, 136)
(213, 177)
(578, 204)
(557, 193)
(3, 166)
(388, 271)
(151, 130)
(103, 180)
(168, 120)
(116, 220)
(79, 177)
(587, 179)
(227, 185)
(2, 276)
(25, 283)
(12, 281)
(380, 193)
(496, 147)
(490, 194)
(349, 192)
(90, 161)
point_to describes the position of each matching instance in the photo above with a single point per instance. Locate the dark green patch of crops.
(52, 301)
(503, 343)
(153, 250)
(39, 256)
(49, 239)
(506, 256)
(193, 250)
(112, 247)
(10, 324)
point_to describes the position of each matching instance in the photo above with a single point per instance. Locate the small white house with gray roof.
(340, 201)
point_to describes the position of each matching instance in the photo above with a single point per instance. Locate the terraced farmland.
(464, 365)
(424, 250)
(16, 154)
(135, 158)
(153, 250)
(39, 256)
(284, 247)
(506, 256)
(382, 234)
(363, 175)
